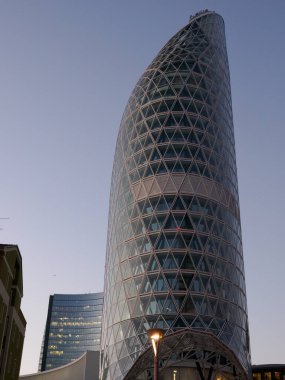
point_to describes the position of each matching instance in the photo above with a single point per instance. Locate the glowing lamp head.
(155, 336)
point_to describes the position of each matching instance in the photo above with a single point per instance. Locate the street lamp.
(155, 336)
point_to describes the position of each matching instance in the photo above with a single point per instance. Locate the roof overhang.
(190, 348)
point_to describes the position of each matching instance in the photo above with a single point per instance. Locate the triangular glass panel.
(171, 279)
(170, 165)
(184, 67)
(194, 169)
(179, 242)
(161, 168)
(184, 122)
(178, 118)
(179, 324)
(150, 111)
(198, 324)
(178, 168)
(162, 242)
(169, 306)
(169, 92)
(137, 311)
(177, 107)
(218, 286)
(199, 304)
(188, 306)
(185, 223)
(170, 262)
(162, 108)
(160, 299)
(192, 108)
(210, 287)
(138, 227)
(186, 200)
(153, 238)
(195, 243)
(178, 137)
(147, 207)
(180, 283)
(189, 320)
(186, 165)
(153, 265)
(146, 222)
(160, 285)
(171, 132)
(148, 172)
(146, 285)
(178, 256)
(178, 218)
(154, 123)
(203, 266)
(125, 313)
(170, 152)
(200, 156)
(161, 258)
(188, 277)
(148, 141)
(196, 68)
(178, 205)
(177, 79)
(153, 225)
(155, 155)
(219, 311)
(187, 263)
(141, 172)
(192, 138)
(163, 137)
(205, 280)
(171, 223)
(161, 323)
(196, 259)
(144, 303)
(143, 129)
(153, 307)
(196, 285)
(185, 153)
(185, 92)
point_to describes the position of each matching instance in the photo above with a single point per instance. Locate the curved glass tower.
(174, 257)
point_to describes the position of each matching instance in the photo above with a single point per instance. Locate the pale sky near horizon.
(67, 69)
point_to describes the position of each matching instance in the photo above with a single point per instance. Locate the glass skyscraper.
(73, 326)
(174, 256)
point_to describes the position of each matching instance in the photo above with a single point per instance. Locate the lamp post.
(155, 336)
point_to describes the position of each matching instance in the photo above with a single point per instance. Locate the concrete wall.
(84, 368)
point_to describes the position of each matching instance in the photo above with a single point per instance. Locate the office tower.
(12, 321)
(174, 256)
(73, 327)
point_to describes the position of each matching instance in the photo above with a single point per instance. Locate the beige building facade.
(84, 368)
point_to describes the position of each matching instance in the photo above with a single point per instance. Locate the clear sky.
(67, 68)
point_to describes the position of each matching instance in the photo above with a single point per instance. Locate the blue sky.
(66, 71)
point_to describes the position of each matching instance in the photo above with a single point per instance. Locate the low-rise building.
(12, 321)
(84, 368)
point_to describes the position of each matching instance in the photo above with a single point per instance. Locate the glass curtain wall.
(174, 256)
(73, 327)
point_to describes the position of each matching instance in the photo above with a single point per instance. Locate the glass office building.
(174, 256)
(73, 326)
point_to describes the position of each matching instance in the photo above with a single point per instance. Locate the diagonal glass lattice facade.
(174, 256)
